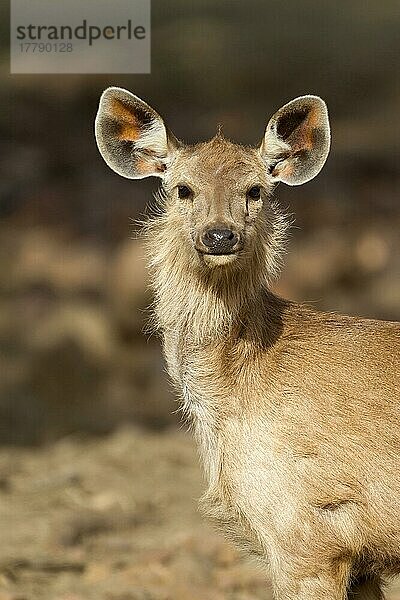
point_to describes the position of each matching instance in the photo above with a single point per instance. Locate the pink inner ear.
(303, 138)
(125, 117)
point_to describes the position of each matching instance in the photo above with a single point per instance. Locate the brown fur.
(296, 412)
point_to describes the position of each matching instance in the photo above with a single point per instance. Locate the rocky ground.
(113, 519)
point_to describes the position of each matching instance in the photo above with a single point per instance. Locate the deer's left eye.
(184, 191)
(254, 192)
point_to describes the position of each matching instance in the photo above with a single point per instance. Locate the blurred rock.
(83, 326)
(372, 251)
(66, 267)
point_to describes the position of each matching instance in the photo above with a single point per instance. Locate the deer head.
(214, 192)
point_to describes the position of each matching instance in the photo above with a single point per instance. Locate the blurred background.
(98, 482)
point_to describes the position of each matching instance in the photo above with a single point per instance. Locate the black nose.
(220, 241)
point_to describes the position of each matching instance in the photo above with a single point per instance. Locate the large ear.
(131, 136)
(297, 140)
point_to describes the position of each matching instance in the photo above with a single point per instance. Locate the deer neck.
(204, 315)
(204, 305)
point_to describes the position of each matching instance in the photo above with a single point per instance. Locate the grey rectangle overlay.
(80, 36)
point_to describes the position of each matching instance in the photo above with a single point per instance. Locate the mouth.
(215, 259)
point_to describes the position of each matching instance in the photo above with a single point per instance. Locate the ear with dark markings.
(131, 136)
(297, 140)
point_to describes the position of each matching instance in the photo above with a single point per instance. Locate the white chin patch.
(218, 260)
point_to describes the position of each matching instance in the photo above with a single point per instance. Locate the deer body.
(296, 412)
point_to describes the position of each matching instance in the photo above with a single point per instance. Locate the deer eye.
(184, 191)
(254, 192)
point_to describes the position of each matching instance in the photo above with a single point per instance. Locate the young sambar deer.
(296, 412)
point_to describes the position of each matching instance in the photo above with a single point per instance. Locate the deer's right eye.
(254, 192)
(184, 191)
